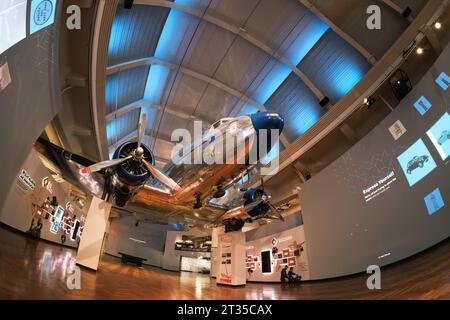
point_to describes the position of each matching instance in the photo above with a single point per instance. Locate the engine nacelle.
(131, 175)
(253, 195)
(131, 172)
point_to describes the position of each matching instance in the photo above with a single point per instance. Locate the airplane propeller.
(137, 155)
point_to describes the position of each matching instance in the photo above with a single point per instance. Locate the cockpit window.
(216, 124)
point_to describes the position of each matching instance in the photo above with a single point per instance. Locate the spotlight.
(437, 25)
(369, 102)
(419, 50)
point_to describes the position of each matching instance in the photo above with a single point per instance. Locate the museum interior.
(225, 149)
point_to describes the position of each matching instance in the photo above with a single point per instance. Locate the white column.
(231, 259)
(214, 250)
(91, 243)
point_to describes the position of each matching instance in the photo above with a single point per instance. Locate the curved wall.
(386, 198)
(31, 100)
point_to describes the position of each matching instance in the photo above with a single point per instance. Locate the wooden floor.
(33, 269)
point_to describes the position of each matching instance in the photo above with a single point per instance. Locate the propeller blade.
(275, 211)
(141, 128)
(104, 164)
(162, 177)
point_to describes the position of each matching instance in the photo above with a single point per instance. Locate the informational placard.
(25, 178)
(13, 23)
(397, 129)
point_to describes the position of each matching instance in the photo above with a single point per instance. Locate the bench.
(126, 258)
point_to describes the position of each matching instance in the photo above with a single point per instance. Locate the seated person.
(284, 274)
(293, 277)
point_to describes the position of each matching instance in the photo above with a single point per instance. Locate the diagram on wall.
(439, 134)
(42, 14)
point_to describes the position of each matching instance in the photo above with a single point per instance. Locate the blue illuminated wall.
(334, 66)
(135, 33)
(295, 101)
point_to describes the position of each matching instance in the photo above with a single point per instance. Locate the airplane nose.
(267, 120)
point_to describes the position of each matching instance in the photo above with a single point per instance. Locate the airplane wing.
(70, 166)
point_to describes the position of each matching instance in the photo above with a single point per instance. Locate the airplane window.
(216, 124)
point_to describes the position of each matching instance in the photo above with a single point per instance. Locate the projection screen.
(13, 15)
(388, 197)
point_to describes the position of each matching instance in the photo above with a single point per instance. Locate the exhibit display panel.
(231, 259)
(387, 198)
(42, 207)
(145, 240)
(173, 252)
(266, 257)
(90, 248)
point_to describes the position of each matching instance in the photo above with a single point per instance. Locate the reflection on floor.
(32, 269)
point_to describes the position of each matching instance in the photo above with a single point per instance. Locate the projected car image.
(439, 134)
(445, 136)
(416, 162)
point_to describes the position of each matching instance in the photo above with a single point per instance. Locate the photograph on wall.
(439, 134)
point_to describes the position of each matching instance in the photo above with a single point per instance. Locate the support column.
(231, 259)
(91, 243)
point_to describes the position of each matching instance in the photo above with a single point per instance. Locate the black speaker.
(127, 4)
(324, 101)
(406, 13)
(400, 84)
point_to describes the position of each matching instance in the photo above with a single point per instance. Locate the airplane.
(183, 189)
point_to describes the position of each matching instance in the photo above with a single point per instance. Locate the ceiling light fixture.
(437, 25)
(419, 50)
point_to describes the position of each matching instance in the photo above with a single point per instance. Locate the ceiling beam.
(397, 8)
(239, 31)
(173, 110)
(133, 135)
(370, 57)
(194, 74)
